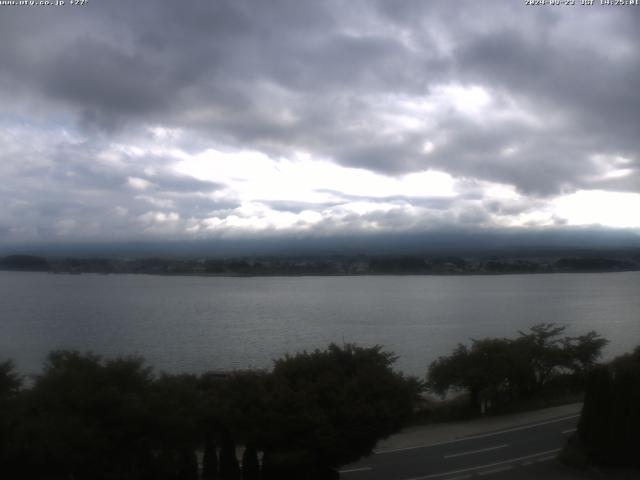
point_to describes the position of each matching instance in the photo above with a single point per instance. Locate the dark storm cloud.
(76, 168)
(590, 86)
(71, 191)
(342, 81)
(108, 79)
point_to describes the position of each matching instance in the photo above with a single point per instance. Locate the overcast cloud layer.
(141, 120)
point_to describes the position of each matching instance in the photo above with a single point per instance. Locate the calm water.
(198, 323)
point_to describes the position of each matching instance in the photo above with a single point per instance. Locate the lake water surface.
(199, 323)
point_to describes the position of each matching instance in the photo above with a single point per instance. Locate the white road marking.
(545, 459)
(481, 467)
(352, 470)
(496, 470)
(471, 452)
(482, 435)
(569, 430)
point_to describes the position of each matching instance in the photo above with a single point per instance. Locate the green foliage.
(332, 406)
(187, 464)
(229, 466)
(24, 262)
(238, 403)
(89, 418)
(542, 349)
(209, 458)
(497, 371)
(10, 384)
(175, 405)
(610, 422)
(250, 463)
(487, 370)
(582, 352)
(10, 381)
(594, 425)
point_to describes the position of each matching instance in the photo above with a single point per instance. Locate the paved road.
(481, 456)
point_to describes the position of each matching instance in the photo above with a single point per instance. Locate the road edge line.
(480, 435)
(479, 467)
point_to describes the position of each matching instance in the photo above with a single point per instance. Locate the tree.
(87, 418)
(610, 419)
(209, 458)
(582, 352)
(496, 371)
(24, 262)
(10, 383)
(175, 405)
(487, 370)
(187, 464)
(594, 424)
(250, 463)
(229, 466)
(330, 407)
(543, 349)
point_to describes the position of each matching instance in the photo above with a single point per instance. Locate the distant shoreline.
(330, 266)
(293, 275)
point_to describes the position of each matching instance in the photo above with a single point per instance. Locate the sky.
(178, 120)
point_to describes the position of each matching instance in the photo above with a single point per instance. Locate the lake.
(194, 324)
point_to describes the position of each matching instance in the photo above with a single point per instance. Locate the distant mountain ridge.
(516, 241)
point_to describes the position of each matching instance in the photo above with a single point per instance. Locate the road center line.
(471, 452)
(352, 470)
(569, 430)
(481, 467)
(482, 435)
